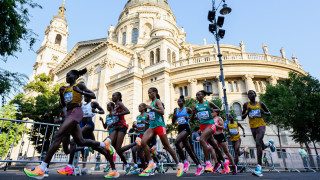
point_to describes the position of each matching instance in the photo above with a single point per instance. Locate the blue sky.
(290, 24)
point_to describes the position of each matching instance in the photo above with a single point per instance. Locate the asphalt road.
(19, 175)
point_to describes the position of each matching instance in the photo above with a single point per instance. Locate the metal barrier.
(25, 142)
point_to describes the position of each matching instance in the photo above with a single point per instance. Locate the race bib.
(68, 97)
(255, 113)
(152, 116)
(141, 127)
(203, 115)
(109, 122)
(85, 111)
(116, 118)
(181, 120)
(233, 131)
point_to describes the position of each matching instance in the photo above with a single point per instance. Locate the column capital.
(247, 77)
(91, 70)
(106, 62)
(192, 80)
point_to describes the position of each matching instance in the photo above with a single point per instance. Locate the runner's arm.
(82, 89)
(214, 107)
(123, 107)
(264, 109)
(244, 111)
(95, 105)
(244, 134)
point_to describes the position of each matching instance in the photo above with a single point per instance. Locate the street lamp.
(215, 29)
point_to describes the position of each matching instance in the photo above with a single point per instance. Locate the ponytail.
(203, 92)
(79, 73)
(145, 106)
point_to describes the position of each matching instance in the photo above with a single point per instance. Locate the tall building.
(148, 49)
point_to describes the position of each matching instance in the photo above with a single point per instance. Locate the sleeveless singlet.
(256, 120)
(119, 121)
(71, 96)
(234, 131)
(181, 116)
(155, 118)
(141, 126)
(216, 121)
(87, 110)
(109, 121)
(204, 113)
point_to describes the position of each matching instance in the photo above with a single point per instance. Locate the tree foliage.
(40, 105)
(10, 82)
(11, 132)
(14, 18)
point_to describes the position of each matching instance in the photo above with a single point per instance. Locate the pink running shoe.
(199, 171)
(66, 171)
(209, 167)
(186, 166)
(226, 166)
(216, 167)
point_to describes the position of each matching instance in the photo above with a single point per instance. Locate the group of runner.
(77, 121)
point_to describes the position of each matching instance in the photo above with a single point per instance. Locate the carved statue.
(283, 54)
(265, 48)
(204, 41)
(191, 51)
(242, 47)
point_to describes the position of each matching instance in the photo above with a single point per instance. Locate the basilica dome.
(161, 3)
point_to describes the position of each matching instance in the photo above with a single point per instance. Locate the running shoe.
(208, 167)
(85, 171)
(153, 151)
(151, 167)
(127, 170)
(235, 170)
(226, 166)
(216, 167)
(107, 169)
(36, 173)
(160, 168)
(46, 173)
(272, 148)
(186, 166)
(199, 171)
(144, 174)
(152, 173)
(138, 141)
(257, 172)
(66, 171)
(112, 175)
(136, 171)
(223, 171)
(108, 146)
(91, 150)
(180, 170)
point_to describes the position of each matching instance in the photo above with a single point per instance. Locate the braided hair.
(79, 73)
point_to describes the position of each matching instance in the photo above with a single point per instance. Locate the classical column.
(220, 88)
(90, 77)
(248, 81)
(273, 80)
(193, 87)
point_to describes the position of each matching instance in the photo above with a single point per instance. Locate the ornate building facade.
(148, 49)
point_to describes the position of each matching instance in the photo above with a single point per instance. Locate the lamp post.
(215, 29)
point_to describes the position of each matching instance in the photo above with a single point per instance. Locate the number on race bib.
(152, 116)
(255, 113)
(141, 127)
(182, 120)
(233, 131)
(109, 122)
(203, 115)
(68, 97)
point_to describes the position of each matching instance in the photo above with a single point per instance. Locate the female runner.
(70, 97)
(182, 115)
(157, 127)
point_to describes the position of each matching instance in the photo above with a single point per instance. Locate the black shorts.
(152, 142)
(121, 129)
(184, 127)
(220, 138)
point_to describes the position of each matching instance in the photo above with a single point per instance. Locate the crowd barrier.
(23, 142)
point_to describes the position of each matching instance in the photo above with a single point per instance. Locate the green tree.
(14, 18)
(42, 107)
(10, 82)
(11, 132)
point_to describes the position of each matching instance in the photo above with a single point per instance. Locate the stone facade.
(147, 49)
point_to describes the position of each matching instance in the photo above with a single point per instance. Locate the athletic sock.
(151, 161)
(199, 165)
(43, 166)
(135, 165)
(178, 164)
(108, 163)
(259, 166)
(114, 170)
(207, 162)
(102, 144)
(70, 166)
(185, 161)
(127, 166)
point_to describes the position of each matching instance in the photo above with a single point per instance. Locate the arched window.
(230, 86)
(58, 40)
(174, 57)
(135, 34)
(124, 38)
(151, 58)
(237, 109)
(169, 55)
(158, 55)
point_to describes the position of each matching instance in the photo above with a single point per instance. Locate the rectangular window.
(186, 91)
(235, 86)
(230, 87)
(181, 91)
